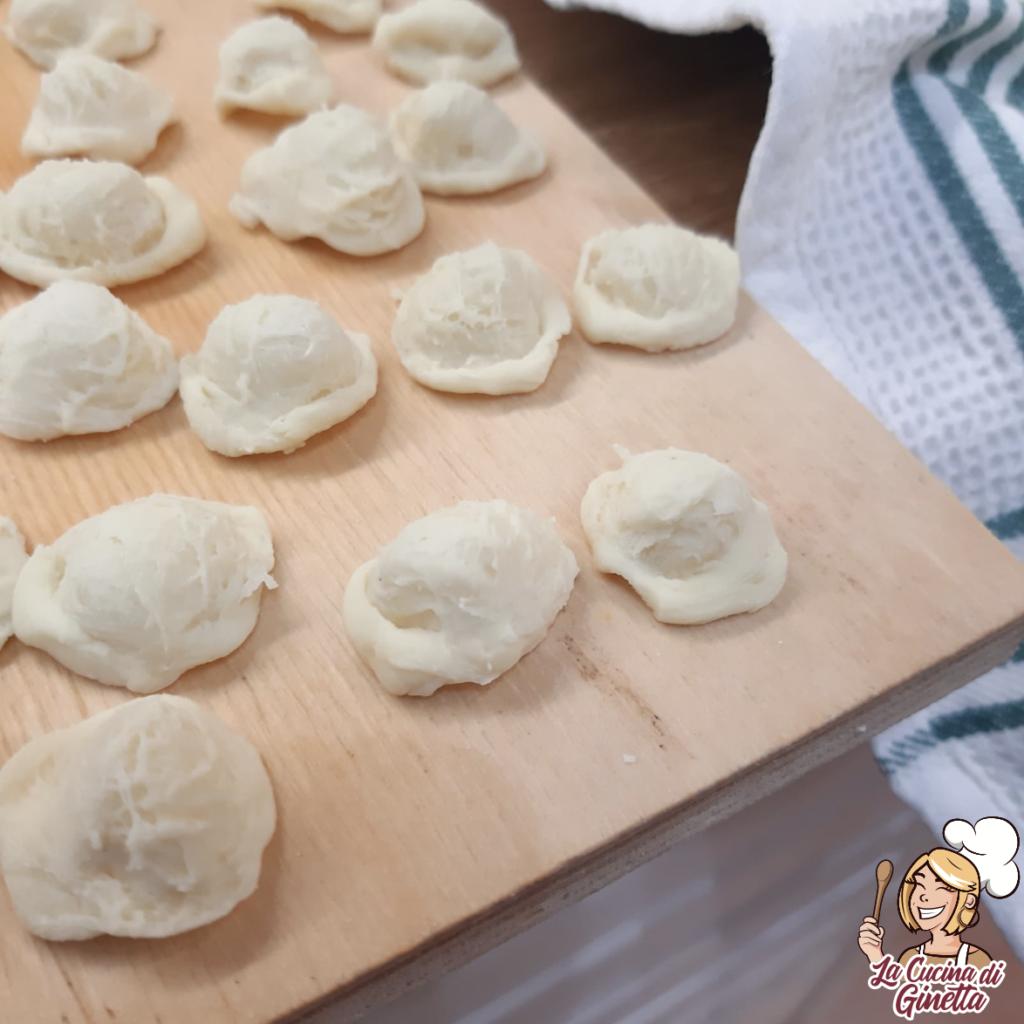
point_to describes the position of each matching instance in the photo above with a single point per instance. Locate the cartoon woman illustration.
(941, 892)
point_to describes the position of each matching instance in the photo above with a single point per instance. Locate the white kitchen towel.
(882, 223)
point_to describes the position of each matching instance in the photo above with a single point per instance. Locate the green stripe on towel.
(995, 141)
(1015, 91)
(940, 60)
(957, 725)
(1008, 525)
(906, 751)
(998, 276)
(984, 719)
(985, 65)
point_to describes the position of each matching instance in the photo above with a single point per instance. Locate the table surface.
(414, 834)
(680, 114)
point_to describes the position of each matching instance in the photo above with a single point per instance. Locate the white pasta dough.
(334, 177)
(434, 40)
(77, 360)
(686, 534)
(481, 321)
(91, 107)
(141, 593)
(95, 221)
(339, 15)
(46, 29)
(272, 372)
(12, 558)
(146, 820)
(458, 596)
(460, 142)
(657, 287)
(273, 66)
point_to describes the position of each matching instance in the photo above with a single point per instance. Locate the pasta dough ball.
(100, 222)
(686, 534)
(657, 287)
(141, 593)
(88, 106)
(334, 177)
(481, 321)
(12, 559)
(338, 15)
(273, 66)
(76, 360)
(460, 142)
(458, 596)
(433, 40)
(44, 30)
(272, 372)
(146, 820)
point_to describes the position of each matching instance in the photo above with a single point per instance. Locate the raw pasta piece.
(686, 534)
(458, 141)
(272, 372)
(346, 16)
(91, 107)
(12, 559)
(95, 221)
(77, 360)
(481, 321)
(335, 177)
(657, 287)
(273, 66)
(458, 596)
(44, 30)
(146, 820)
(434, 40)
(141, 593)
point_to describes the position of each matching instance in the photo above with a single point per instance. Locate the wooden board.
(414, 833)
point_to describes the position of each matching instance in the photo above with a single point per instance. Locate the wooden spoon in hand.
(882, 875)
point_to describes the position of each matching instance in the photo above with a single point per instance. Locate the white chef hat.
(990, 844)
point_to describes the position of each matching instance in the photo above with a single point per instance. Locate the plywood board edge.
(585, 875)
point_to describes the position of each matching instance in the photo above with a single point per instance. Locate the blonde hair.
(954, 870)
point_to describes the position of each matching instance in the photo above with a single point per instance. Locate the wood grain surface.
(414, 833)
